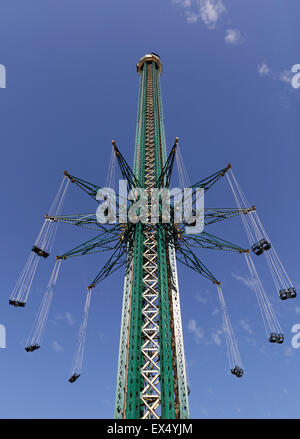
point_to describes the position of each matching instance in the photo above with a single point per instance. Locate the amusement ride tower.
(151, 374)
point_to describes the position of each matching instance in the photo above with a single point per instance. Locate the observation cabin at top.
(150, 57)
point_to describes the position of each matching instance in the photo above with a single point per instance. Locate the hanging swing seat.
(17, 303)
(265, 244)
(280, 338)
(257, 249)
(240, 373)
(234, 370)
(237, 371)
(283, 294)
(32, 347)
(261, 246)
(74, 377)
(273, 337)
(289, 293)
(40, 252)
(292, 292)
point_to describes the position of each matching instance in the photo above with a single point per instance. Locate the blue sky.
(71, 88)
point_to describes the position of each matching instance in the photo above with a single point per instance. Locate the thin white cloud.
(234, 37)
(286, 76)
(246, 280)
(263, 69)
(251, 341)
(191, 17)
(201, 299)
(196, 330)
(209, 11)
(288, 351)
(216, 337)
(184, 3)
(57, 347)
(246, 326)
(67, 316)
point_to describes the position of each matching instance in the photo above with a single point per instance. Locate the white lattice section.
(180, 357)
(150, 394)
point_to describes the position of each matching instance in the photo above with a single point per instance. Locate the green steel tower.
(151, 380)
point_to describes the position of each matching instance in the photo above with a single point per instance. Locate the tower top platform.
(149, 57)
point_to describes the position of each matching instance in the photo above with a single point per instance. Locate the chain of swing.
(234, 357)
(35, 336)
(78, 357)
(42, 248)
(261, 244)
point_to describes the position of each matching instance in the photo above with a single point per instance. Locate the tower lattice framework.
(151, 380)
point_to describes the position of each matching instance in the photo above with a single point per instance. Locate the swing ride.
(152, 378)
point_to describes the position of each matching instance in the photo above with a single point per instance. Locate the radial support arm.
(208, 182)
(188, 258)
(214, 215)
(207, 240)
(88, 220)
(100, 243)
(90, 188)
(166, 173)
(125, 169)
(117, 260)
(87, 187)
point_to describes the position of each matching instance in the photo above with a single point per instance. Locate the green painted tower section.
(151, 382)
